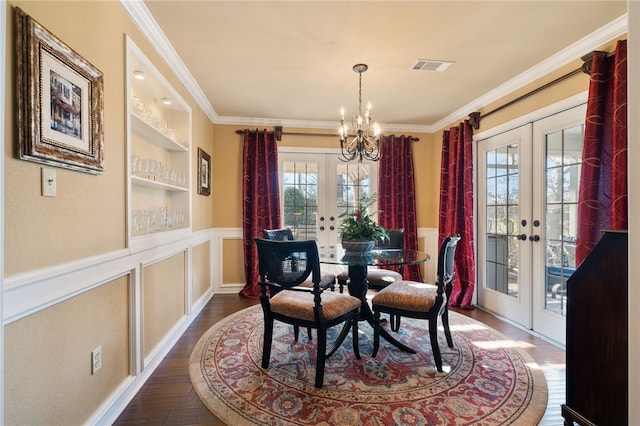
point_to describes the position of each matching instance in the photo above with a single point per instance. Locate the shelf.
(154, 184)
(148, 132)
(158, 210)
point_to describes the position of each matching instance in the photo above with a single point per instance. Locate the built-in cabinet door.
(528, 181)
(315, 188)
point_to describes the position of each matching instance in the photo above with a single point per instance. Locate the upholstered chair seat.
(300, 305)
(408, 295)
(420, 300)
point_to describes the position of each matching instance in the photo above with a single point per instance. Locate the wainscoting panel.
(167, 285)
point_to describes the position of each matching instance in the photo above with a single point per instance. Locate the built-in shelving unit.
(159, 154)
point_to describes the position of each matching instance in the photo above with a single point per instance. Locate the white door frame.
(328, 157)
(529, 118)
(516, 307)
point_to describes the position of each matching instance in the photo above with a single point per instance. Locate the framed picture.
(204, 172)
(59, 101)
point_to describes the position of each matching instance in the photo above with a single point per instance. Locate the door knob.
(522, 237)
(322, 228)
(535, 237)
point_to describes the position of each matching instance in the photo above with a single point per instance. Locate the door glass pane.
(502, 213)
(563, 151)
(300, 203)
(352, 182)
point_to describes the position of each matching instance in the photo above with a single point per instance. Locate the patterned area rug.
(487, 379)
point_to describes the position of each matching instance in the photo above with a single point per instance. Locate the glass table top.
(336, 255)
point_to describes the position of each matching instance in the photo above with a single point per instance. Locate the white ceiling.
(290, 62)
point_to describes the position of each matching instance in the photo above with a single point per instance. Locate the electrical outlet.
(96, 359)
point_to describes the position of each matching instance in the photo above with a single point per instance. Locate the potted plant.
(358, 230)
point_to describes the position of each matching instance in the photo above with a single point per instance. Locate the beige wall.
(163, 298)
(47, 353)
(47, 376)
(201, 269)
(88, 216)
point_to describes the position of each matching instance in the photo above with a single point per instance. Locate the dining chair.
(420, 300)
(379, 278)
(283, 266)
(327, 280)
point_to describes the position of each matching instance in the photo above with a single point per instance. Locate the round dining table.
(358, 285)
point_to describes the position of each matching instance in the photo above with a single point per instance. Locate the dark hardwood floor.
(169, 399)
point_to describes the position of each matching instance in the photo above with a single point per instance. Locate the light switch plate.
(48, 182)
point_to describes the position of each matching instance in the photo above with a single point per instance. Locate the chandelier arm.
(366, 142)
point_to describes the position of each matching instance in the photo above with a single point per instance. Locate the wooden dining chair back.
(379, 278)
(282, 234)
(283, 267)
(420, 300)
(327, 280)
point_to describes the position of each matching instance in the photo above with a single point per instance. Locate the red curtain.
(396, 193)
(602, 200)
(456, 208)
(261, 199)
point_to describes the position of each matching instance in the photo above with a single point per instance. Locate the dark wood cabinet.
(597, 336)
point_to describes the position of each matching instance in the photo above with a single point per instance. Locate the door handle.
(522, 237)
(322, 228)
(535, 238)
(331, 228)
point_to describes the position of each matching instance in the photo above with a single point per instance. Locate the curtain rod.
(278, 131)
(475, 117)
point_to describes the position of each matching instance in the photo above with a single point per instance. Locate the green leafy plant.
(359, 225)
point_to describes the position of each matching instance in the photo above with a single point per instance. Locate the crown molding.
(614, 29)
(150, 28)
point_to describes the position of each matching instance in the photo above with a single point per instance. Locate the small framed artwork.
(204, 172)
(59, 101)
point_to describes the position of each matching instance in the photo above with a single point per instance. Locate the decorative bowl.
(358, 246)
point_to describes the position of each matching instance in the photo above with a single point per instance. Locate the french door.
(527, 220)
(316, 187)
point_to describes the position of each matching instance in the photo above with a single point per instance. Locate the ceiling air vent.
(431, 65)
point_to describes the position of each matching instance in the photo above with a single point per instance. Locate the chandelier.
(366, 142)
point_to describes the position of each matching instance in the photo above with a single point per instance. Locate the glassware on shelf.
(138, 105)
(156, 219)
(157, 171)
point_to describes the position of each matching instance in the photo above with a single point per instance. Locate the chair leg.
(296, 333)
(341, 285)
(355, 335)
(394, 322)
(321, 356)
(309, 333)
(376, 333)
(445, 325)
(433, 336)
(266, 345)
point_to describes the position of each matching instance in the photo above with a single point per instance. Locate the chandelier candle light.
(366, 142)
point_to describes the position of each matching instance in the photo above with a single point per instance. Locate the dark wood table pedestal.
(358, 285)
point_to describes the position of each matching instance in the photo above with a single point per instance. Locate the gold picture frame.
(204, 173)
(59, 101)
